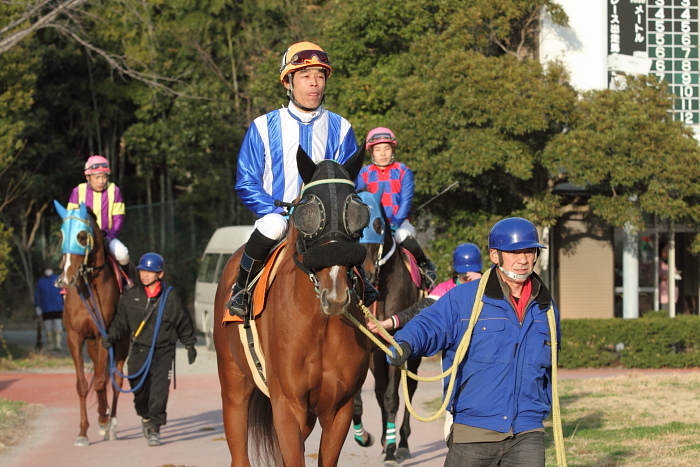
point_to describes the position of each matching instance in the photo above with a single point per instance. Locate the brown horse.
(92, 294)
(385, 267)
(315, 359)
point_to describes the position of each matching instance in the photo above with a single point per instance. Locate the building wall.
(586, 265)
(582, 47)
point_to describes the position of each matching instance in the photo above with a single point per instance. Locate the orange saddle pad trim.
(260, 291)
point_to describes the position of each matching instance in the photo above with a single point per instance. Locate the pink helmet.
(97, 165)
(380, 135)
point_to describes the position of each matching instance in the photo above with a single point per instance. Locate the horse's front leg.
(100, 360)
(391, 408)
(403, 451)
(290, 420)
(120, 352)
(236, 391)
(75, 345)
(333, 434)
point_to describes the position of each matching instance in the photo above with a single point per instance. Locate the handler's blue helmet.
(151, 262)
(514, 233)
(466, 258)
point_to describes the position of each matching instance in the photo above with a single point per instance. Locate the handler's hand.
(191, 354)
(396, 359)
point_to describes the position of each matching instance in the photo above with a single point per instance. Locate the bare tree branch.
(66, 19)
(7, 42)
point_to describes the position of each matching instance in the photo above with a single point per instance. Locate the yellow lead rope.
(459, 357)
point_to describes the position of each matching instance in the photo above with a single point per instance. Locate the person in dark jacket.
(503, 387)
(139, 313)
(48, 303)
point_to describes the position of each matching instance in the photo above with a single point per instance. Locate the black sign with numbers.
(667, 30)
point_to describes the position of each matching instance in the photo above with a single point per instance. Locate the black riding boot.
(371, 293)
(426, 266)
(252, 262)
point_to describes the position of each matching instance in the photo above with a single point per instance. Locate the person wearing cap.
(267, 169)
(48, 303)
(467, 265)
(395, 181)
(154, 327)
(104, 198)
(503, 387)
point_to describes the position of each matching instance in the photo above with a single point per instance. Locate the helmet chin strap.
(290, 94)
(513, 275)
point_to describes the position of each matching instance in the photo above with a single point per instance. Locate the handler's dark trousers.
(523, 450)
(151, 399)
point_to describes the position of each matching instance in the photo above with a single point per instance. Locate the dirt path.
(194, 434)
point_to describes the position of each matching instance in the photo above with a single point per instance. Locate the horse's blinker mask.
(74, 222)
(329, 216)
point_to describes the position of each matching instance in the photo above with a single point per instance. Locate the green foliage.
(653, 341)
(625, 149)
(5, 251)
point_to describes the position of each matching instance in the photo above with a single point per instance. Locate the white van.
(222, 244)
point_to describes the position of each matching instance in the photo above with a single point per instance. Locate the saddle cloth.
(259, 292)
(412, 266)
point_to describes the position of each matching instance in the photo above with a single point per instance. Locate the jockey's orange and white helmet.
(304, 55)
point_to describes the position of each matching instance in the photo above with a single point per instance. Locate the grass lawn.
(635, 420)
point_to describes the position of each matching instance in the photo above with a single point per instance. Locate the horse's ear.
(306, 166)
(354, 164)
(83, 211)
(60, 209)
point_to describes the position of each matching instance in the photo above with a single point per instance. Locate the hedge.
(653, 341)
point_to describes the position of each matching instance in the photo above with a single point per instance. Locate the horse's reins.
(459, 357)
(93, 311)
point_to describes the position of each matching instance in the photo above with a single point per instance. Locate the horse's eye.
(82, 238)
(378, 226)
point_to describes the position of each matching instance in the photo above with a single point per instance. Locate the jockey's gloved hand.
(191, 354)
(107, 342)
(396, 359)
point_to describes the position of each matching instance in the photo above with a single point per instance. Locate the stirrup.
(428, 271)
(239, 304)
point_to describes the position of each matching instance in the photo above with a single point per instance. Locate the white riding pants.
(273, 226)
(119, 251)
(404, 230)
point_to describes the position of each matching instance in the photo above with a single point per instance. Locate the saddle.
(261, 284)
(118, 272)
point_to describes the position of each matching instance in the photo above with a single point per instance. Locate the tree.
(625, 149)
(460, 84)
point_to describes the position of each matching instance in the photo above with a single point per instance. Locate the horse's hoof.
(368, 443)
(403, 453)
(390, 464)
(110, 435)
(81, 441)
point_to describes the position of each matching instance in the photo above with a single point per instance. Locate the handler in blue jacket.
(503, 389)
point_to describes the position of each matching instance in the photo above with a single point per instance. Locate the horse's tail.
(262, 437)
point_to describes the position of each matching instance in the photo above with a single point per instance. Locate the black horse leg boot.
(252, 262)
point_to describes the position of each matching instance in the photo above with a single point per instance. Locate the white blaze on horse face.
(334, 275)
(66, 266)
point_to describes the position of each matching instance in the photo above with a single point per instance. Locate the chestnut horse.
(315, 359)
(92, 295)
(385, 267)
